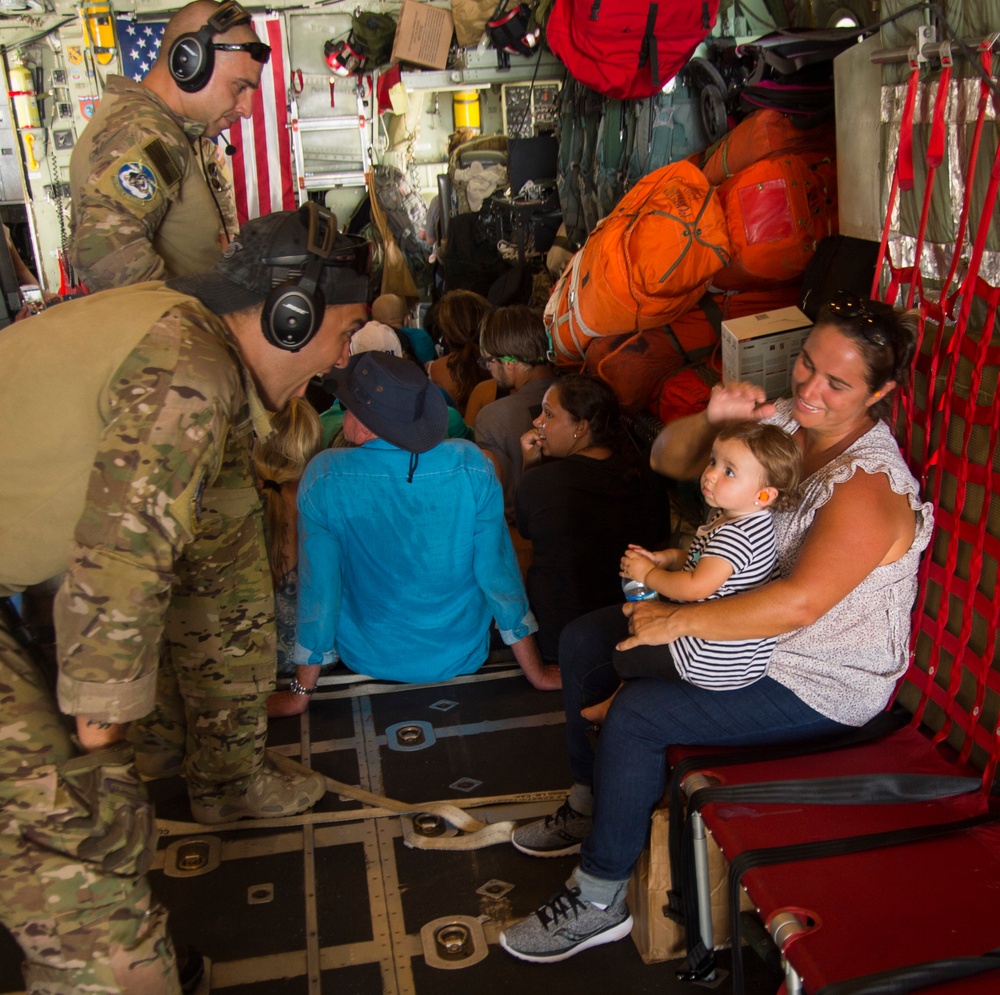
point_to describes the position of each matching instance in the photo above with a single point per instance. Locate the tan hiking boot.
(282, 787)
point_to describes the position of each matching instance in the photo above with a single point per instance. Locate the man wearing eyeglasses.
(150, 198)
(127, 420)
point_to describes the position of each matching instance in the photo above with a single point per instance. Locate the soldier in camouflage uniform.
(151, 200)
(126, 425)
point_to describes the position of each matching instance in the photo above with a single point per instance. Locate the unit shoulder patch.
(137, 180)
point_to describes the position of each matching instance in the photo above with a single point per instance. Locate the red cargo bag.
(627, 49)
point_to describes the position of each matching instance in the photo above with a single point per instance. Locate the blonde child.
(753, 469)
(279, 463)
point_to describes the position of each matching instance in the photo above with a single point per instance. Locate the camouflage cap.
(275, 248)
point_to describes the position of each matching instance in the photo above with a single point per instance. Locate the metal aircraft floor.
(334, 902)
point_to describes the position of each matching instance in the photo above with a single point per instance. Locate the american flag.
(139, 42)
(263, 177)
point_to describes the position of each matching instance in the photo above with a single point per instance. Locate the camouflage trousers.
(81, 928)
(214, 736)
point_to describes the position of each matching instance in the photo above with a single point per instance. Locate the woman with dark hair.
(581, 504)
(840, 612)
(457, 317)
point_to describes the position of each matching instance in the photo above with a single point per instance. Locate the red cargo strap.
(935, 156)
(905, 153)
(944, 309)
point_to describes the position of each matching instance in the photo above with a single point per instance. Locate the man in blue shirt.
(404, 554)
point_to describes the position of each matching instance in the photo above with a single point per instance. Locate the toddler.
(753, 469)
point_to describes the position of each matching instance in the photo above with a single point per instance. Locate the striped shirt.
(749, 545)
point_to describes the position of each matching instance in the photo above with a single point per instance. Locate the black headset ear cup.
(191, 59)
(291, 316)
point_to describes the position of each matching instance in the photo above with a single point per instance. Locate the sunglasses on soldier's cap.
(257, 50)
(356, 256)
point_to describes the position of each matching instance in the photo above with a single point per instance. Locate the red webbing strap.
(935, 156)
(979, 354)
(943, 309)
(906, 125)
(906, 128)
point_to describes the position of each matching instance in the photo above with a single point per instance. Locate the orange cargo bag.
(632, 365)
(763, 133)
(771, 225)
(648, 261)
(685, 392)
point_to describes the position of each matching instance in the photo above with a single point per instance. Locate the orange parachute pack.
(773, 230)
(632, 365)
(763, 133)
(647, 262)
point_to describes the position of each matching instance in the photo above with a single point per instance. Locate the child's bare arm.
(638, 561)
(709, 574)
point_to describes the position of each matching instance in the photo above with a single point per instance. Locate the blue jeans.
(629, 772)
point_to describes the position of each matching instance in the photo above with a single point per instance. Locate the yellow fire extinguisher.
(465, 107)
(22, 94)
(99, 31)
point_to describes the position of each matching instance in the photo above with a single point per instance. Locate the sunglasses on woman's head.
(849, 306)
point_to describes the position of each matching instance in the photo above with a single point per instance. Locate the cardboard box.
(423, 35)
(656, 937)
(761, 348)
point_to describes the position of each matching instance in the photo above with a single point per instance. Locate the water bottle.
(635, 590)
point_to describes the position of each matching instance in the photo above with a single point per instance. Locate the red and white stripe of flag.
(262, 165)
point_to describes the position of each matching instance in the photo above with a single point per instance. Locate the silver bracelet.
(297, 688)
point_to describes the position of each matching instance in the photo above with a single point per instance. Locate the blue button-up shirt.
(402, 579)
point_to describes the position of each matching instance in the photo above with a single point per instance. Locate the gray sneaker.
(557, 835)
(281, 787)
(563, 926)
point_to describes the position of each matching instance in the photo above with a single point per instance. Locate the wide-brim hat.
(271, 250)
(393, 398)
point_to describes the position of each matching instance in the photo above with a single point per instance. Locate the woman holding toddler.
(848, 553)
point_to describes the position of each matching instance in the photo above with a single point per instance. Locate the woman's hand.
(739, 401)
(531, 448)
(652, 623)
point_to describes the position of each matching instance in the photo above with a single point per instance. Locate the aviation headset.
(192, 56)
(293, 311)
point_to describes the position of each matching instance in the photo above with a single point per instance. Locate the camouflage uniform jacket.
(142, 181)
(126, 426)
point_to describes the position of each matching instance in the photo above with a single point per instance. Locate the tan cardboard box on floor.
(423, 35)
(656, 937)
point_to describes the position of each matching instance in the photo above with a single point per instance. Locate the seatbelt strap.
(824, 848)
(914, 977)
(884, 724)
(864, 789)
(869, 789)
